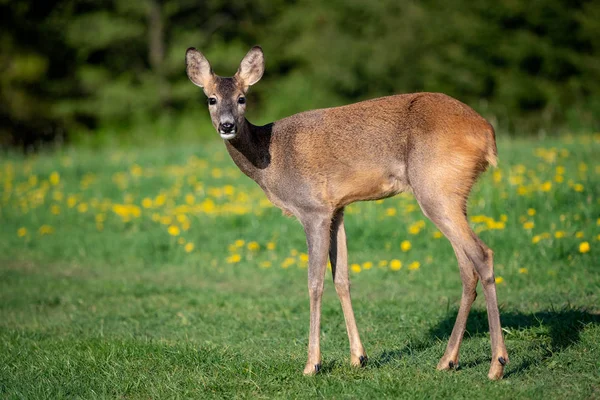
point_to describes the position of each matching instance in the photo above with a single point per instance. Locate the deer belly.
(368, 184)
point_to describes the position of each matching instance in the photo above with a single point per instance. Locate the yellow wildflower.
(240, 243)
(54, 178)
(559, 234)
(499, 279)
(367, 265)
(271, 246)
(523, 270)
(395, 265)
(288, 262)
(234, 258)
(414, 230)
(21, 232)
(46, 230)
(55, 209)
(405, 246)
(546, 186)
(382, 263)
(578, 187)
(265, 264)
(584, 247)
(437, 234)
(355, 268)
(531, 212)
(390, 212)
(82, 207)
(253, 246)
(579, 235)
(528, 225)
(147, 202)
(536, 239)
(189, 247)
(173, 230)
(304, 257)
(414, 265)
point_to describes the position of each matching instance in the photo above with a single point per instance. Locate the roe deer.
(313, 164)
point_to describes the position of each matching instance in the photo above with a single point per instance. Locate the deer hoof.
(452, 365)
(363, 360)
(447, 365)
(312, 369)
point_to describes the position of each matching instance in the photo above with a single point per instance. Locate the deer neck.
(250, 149)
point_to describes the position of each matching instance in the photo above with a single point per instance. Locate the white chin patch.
(227, 136)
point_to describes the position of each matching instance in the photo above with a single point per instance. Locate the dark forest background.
(77, 69)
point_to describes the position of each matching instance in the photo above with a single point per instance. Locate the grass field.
(160, 273)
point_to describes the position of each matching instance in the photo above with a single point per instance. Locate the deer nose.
(226, 127)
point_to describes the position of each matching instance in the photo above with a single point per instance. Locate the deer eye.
(212, 101)
(242, 100)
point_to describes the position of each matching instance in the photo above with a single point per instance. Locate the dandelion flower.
(584, 247)
(546, 186)
(437, 234)
(390, 212)
(173, 230)
(414, 265)
(239, 243)
(528, 225)
(46, 230)
(189, 247)
(499, 279)
(21, 232)
(367, 265)
(579, 235)
(147, 202)
(531, 212)
(559, 234)
(523, 270)
(405, 246)
(395, 265)
(271, 246)
(355, 268)
(54, 178)
(234, 258)
(289, 261)
(253, 246)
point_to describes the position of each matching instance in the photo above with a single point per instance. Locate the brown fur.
(313, 164)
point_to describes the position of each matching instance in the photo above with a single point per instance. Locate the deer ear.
(252, 67)
(197, 67)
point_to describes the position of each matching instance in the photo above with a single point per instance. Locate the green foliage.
(76, 65)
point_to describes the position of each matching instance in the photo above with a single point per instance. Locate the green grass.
(100, 297)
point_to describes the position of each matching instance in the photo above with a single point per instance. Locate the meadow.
(166, 273)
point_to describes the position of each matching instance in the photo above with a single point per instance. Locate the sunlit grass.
(164, 255)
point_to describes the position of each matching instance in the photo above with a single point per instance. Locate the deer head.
(226, 96)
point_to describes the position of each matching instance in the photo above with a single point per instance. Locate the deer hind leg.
(475, 260)
(338, 254)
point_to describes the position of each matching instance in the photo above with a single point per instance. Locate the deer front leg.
(317, 237)
(338, 254)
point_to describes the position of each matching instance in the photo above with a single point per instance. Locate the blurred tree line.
(79, 66)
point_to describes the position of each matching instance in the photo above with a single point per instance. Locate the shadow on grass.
(553, 330)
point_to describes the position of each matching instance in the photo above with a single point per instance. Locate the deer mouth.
(227, 135)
